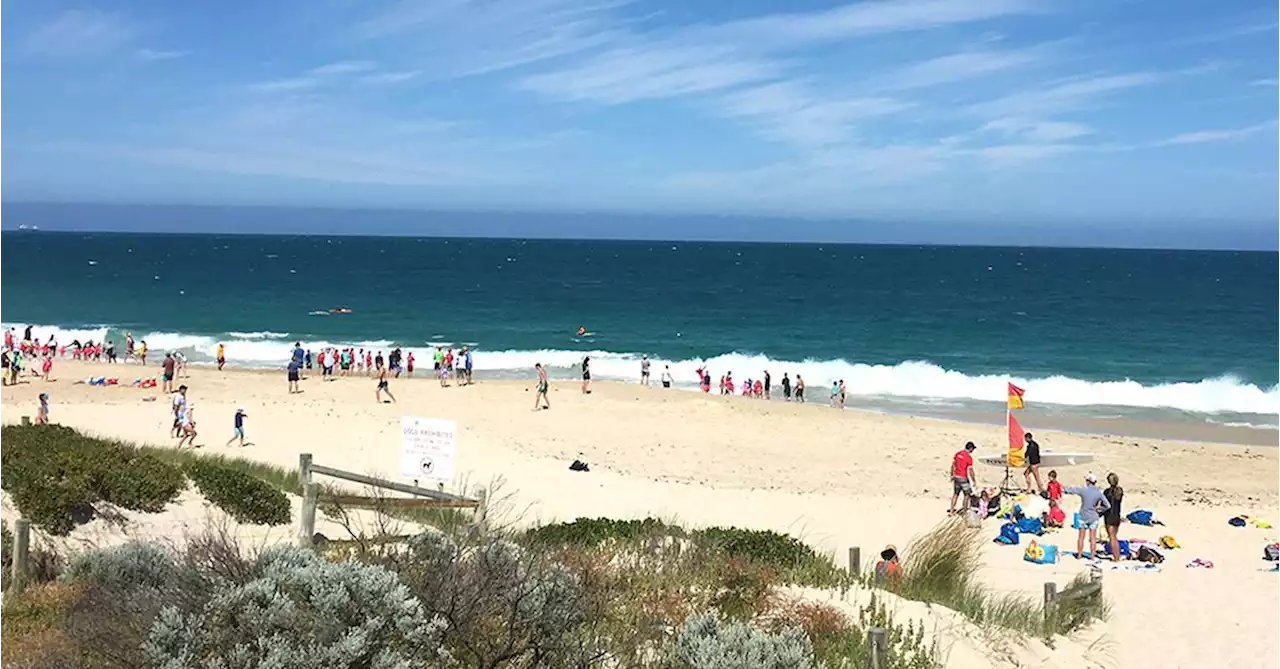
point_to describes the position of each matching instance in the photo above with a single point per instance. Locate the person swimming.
(582, 330)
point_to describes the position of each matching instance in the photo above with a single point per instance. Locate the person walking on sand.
(42, 413)
(239, 427)
(586, 375)
(799, 389)
(541, 401)
(179, 407)
(1092, 504)
(962, 478)
(383, 385)
(1114, 495)
(142, 353)
(1033, 464)
(644, 370)
(294, 374)
(222, 357)
(188, 426)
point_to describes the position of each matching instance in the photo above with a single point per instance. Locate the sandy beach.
(836, 479)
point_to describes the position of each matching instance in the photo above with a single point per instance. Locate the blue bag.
(1105, 548)
(1008, 534)
(1030, 526)
(1140, 517)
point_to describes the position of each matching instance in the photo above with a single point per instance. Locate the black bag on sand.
(579, 466)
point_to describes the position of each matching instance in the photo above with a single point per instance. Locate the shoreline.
(1046, 420)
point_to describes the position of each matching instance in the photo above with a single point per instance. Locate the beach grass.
(941, 567)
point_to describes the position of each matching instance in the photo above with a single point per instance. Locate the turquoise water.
(1182, 332)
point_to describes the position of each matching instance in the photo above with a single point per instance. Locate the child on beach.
(984, 504)
(187, 425)
(239, 428)
(1054, 489)
(541, 397)
(46, 367)
(42, 414)
(1056, 517)
(383, 386)
(408, 368)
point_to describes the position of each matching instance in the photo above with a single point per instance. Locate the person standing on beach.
(840, 393)
(1092, 504)
(644, 370)
(666, 376)
(962, 478)
(466, 356)
(187, 426)
(42, 412)
(786, 387)
(1033, 464)
(167, 369)
(294, 366)
(1114, 495)
(437, 360)
(142, 353)
(541, 401)
(768, 385)
(408, 365)
(383, 386)
(799, 389)
(179, 409)
(239, 427)
(128, 346)
(586, 375)
(222, 357)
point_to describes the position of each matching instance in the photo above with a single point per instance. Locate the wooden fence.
(423, 498)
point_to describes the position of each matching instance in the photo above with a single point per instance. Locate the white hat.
(1090, 478)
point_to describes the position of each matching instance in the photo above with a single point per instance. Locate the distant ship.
(34, 228)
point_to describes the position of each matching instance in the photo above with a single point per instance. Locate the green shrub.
(763, 547)
(587, 532)
(123, 568)
(706, 643)
(243, 497)
(56, 475)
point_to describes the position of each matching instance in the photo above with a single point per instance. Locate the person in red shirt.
(962, 476)
(1054, 489)
(1056, 516)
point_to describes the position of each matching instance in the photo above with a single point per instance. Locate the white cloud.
(344, 67)
(1062, 97)
(955, 67)
(79, 33)
(1265, 82)
(1206, 136)
(153, 54)
(1036, 130)
(288, 84)
(788, 111)
(391, 77)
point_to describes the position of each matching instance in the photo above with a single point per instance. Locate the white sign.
(427, 449)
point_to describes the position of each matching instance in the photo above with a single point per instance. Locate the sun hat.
(1090, 478)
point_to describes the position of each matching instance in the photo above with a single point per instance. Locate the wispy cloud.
(344, 67)
(1037, 131)
(287, 84)
(391, 77)
(1224, 135)
(788, 111)
(1265, 82)
(1062, 97)
(79, 33)
(956, 67)
(154, 54)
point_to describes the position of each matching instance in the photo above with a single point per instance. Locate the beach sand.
(836, 479)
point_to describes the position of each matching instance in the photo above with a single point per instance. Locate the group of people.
(365, 362)
(1098, 506)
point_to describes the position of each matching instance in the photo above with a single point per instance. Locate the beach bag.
(1030, 526)
(1008, 534)
(1075, 521)
(1271, 553)
(1140, 517)
(1237, 522)
(1150, 555)
(1040, 553)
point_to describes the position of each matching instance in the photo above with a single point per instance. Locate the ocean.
(931, 330)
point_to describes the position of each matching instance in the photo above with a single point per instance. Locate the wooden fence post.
(1050, 603)
(26, 420)
(304, 470)
(307, 519)
(876, 647)
(482, 511)
(21, 555)
(855, 560)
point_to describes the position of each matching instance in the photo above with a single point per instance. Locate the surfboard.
(1047, 459)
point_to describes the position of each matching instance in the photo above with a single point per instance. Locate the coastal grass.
(941, 567)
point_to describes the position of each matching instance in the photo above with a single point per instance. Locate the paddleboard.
(1046, 459)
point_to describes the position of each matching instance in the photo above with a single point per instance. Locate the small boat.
(340, 310)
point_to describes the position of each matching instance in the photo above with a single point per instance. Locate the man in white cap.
(1092, 504)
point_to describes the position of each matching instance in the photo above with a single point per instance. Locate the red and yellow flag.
(1016, 439)
(1015, 397)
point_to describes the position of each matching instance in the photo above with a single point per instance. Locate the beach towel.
(1271, 552)
(1125, 548)
(1142, 517)
(1200, 564)
(1132, 566)
(1040, 553)
(1008, 534)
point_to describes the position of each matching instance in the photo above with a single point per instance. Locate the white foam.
(912, 380)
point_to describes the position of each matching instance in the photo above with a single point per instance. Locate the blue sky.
(1065, 110)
